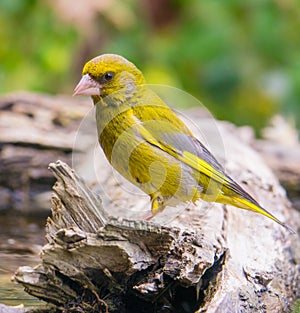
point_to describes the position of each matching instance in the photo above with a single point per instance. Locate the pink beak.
(88, 87)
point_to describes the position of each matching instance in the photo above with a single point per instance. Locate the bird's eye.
(108, 76)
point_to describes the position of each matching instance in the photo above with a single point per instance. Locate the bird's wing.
(182, 143)
(186, 148)
(183, 147)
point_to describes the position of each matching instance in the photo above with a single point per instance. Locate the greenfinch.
(147, 143)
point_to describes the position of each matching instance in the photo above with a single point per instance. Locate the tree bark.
(102, 257)
(207, 258)
(35, 129)
(285, 162)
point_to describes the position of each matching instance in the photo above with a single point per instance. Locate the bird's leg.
(157, 205)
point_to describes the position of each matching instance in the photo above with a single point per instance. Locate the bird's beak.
(87, 86)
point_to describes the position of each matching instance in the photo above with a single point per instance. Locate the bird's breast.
(115, 130)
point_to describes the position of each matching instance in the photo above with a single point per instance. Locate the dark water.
(21, 239)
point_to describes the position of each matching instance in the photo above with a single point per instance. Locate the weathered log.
(35, 129)
(285, 162)
(209, 258)
(280, 149)
(107, 262)
(204, 258)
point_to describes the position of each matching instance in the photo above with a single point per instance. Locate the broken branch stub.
(93, 262)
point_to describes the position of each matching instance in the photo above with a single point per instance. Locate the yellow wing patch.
(186, 157)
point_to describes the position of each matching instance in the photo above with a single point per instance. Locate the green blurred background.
(241, 59)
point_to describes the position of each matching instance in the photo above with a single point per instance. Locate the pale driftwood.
(285, 162)
(281, 153)
(94, 257)
(280, 149)
(206, 258)
(35, 129)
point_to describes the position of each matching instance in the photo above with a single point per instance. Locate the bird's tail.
(248, 205)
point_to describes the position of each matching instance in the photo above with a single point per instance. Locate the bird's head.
(106, 74)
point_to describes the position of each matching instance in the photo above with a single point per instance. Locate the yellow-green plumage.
(149, 145)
